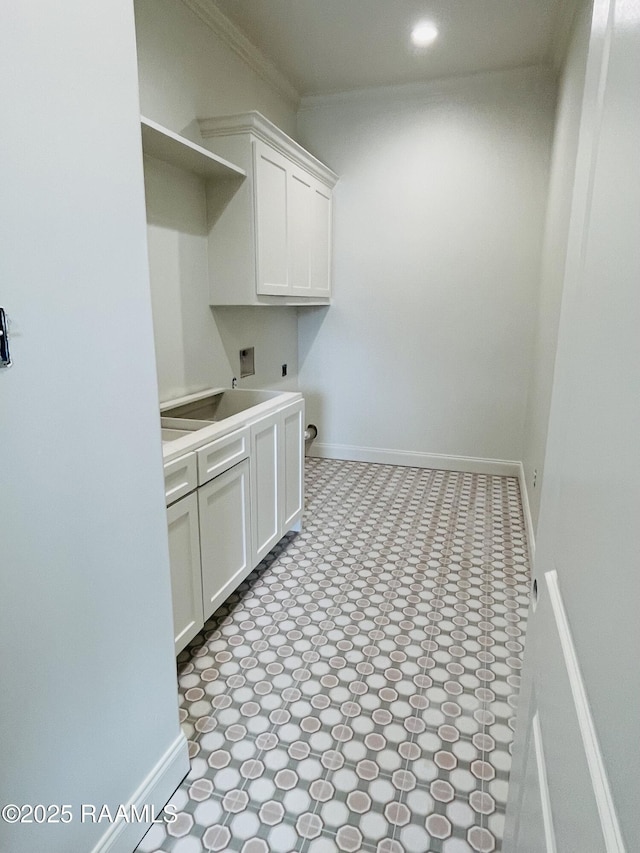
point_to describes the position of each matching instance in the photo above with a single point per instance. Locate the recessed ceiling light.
(424, 33)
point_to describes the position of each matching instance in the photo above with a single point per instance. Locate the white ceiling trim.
(429, 91)
(227, 31)
(255, 123)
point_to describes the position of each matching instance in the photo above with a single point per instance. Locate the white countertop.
(198, 438)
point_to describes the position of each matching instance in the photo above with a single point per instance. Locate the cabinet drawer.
(222, 454)
(180, 477)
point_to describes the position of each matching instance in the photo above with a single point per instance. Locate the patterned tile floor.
(356, 692)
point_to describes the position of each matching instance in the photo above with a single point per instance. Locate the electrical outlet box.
(247, 362)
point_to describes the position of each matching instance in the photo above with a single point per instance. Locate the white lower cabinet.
(277, 458)
(186, 579)
(233, 500)
(224, 534)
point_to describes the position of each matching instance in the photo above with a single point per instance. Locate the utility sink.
(218, 406)
(172, 434)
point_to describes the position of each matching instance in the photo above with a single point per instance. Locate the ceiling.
(327, 46)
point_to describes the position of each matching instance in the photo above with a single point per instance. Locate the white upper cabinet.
(271, 242)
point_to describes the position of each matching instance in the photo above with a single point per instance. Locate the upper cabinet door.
(309, 235)
(300, 192)
(320, 241)
(293, 227)
(271, 218)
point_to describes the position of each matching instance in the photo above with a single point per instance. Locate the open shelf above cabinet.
(164, 144)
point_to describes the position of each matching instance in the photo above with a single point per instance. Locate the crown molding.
(235, 39)
(440, 89)
(256, 124)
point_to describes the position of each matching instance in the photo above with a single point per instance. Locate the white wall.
(553, 258)
(438, 226)
(187, 72)
(88, 699)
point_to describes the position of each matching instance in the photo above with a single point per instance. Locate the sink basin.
(172, 434)
(219, 406)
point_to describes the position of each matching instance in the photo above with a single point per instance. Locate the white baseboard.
(411, 459)
(154, 791)
(528, 521)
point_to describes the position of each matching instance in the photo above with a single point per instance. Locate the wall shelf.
(164, 144)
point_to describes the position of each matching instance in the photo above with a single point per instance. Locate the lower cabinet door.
(266, 488)
(223, 505)
(293, 455)
(186, 584)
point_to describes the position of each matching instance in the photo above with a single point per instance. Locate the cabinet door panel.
(224, 534)
(300, 201)
(266, 491)
(186, 585)
(320, 241)
(271, 220)
(293, 456)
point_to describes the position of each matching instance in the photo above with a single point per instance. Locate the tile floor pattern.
(356, 692)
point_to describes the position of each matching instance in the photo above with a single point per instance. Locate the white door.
(224, 534)
(271, 213)
(293, 459)
(266, 476)
(186, 575)
(84, 563)
(574, 784)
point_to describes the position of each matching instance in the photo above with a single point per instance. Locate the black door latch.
(5, 357)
